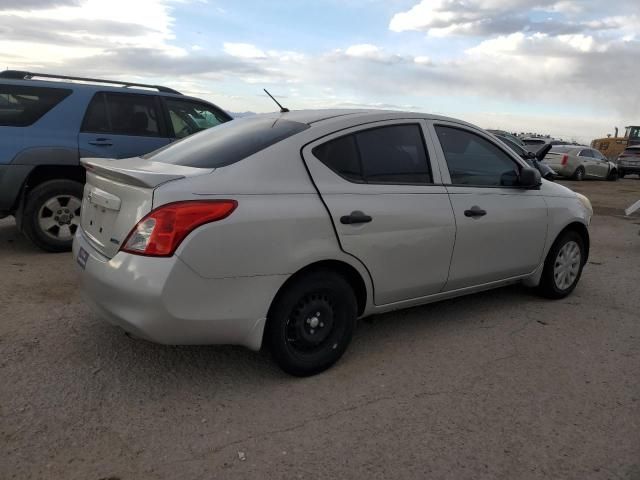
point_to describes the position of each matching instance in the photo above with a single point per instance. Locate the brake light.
(161, 231)
(565, 159)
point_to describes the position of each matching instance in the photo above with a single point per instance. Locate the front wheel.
(311, 323)
(51, 215)
(563, 266)
(613, 176)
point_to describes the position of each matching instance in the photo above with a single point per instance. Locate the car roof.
(88, 86)
(326, 116)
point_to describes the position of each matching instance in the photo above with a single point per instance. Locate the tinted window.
(123, 114)
(188, 117)
(473, 160)
(394, 154)
(21, 105)
(585, 153)
(597, 155)
(228, 143)
(341, 156)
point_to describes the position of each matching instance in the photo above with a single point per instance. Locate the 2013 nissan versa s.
(283, 229)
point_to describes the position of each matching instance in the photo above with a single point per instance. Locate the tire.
(621, 174)
(613, 176)
(552, 284)
(578, 175)
(295, 331)
(54, 204)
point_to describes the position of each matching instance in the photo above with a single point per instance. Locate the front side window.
(473, 160)
(21, 106)
(391, 155)
(122, 114)
(188, 117)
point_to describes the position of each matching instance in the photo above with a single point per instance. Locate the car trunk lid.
(118, 193)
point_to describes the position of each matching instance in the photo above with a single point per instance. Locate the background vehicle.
(533, 144)
(533, 159)
(47, 126)
(580, 162)
(510, 137)
(612, 147)
(629, 161)
(284, 228)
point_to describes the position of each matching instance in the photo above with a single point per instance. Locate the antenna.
(282, 109)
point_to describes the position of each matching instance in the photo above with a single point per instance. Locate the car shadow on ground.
(12, 240)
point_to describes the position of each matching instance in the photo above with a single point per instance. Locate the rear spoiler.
(139, 172)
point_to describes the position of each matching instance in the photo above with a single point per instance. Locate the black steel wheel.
(311, 323)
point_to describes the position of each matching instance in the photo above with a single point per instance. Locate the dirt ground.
(498, 385)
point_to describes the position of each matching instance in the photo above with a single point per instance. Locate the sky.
(569, 68)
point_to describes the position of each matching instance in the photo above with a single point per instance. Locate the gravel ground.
(498, 385)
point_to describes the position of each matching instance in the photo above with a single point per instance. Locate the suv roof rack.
(21, 75)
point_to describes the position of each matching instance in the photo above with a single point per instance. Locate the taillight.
(565, 159)
(160, 232)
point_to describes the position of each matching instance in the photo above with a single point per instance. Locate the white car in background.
(283, 229)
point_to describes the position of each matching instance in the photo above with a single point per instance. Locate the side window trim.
(444, 166)
(419, 122)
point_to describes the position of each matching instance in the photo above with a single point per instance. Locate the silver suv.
(283, 229)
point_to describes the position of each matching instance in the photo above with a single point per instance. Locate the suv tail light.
(565, 159)
(160, 232)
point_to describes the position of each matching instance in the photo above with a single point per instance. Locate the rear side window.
(394, 154)
(21, 106)
(227, 143)
(473, 160)
(123, 114)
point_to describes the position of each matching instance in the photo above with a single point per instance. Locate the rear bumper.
(165, 301)
(629, 169)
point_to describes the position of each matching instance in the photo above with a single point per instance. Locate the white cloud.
(243, 50)
(365, 50)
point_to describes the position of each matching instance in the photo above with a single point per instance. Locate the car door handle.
(475, 211)
(354, 218)
(101, 142)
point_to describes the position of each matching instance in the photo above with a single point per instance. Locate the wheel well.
(581, 230)
(347, 271)
(44, 173)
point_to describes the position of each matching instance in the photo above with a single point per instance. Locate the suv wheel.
(311, 323)
(579, 174)
(563, 266)
(52, 214)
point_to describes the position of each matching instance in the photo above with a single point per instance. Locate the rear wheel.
(563, 266)
(311, 323)
(51, 215)
(579, 174)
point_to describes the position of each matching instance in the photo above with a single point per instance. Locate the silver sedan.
(579, 162)
(283, 229)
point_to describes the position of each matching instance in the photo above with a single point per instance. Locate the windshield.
(633, 132)
(227, 143)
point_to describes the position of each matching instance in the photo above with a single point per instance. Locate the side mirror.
(530, 178)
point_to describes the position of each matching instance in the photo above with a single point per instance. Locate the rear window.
(227, 143)
(21, 106)
(561, 149)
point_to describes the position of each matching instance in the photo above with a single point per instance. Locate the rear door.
(601, 164)
(501, 228)
(388, 205)
(122, 125)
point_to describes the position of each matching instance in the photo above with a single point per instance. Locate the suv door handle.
(475, 211)
(355, 217)
(101, 142)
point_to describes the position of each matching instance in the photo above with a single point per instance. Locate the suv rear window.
(227, 143)
(21, 106)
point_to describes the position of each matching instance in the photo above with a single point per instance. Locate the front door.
(122, 125)
(501, 228)
(387, 206)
